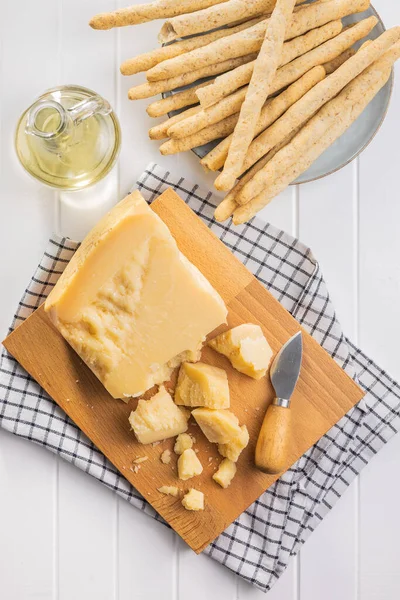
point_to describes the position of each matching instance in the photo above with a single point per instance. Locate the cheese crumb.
(225, 473)
(189, 465)
(166, 457)
(139, 460)
(169, 490)
(183, 442)
(193, 500)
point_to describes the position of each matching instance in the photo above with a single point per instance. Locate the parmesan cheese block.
(246, 348)
(219, 426)
(189, 465)
(202, 385)
(226, 472)
(233, 448)
(168, 490)
(157, 419)
(193, 500)
(131, 304)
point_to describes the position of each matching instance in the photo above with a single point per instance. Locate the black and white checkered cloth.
(259, 544)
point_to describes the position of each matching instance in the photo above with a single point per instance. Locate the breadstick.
(251, 39)
(229, 82)
(215, 16)
(146, 90)
(233, 102)
(348, 71)
(272, 110)
(142, 13)
(159, 132)
(228, 205)
(304, 108)
(146, 61)
(349, 112)
(174, 101)
(203, 118)
(264, 71)
(213, 132)
(335, 63)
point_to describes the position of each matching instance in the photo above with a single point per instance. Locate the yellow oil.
(73, 157)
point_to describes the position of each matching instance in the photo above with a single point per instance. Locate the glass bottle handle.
(87, 108)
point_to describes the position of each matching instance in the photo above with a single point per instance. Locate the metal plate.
(357, 137)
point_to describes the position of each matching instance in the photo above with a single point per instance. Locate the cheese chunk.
(193, 500)
(166, 457)
(189, 465)
(219, 426)
(226, 472)
(202, 385)
(131, 304)
(169, 490)
(157, 419)
(183, 442)
(246, 348)
(233, 448)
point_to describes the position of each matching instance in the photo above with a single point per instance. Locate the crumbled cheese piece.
(200, 384)
(166, 457)
(233, 448)
(169, 490)
(246, 348)
(189, 465)
(193, 500)
(141, 459)
(226, 472)
(183, 442)
(219, 426)
(157, 419)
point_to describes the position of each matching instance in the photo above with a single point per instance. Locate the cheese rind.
(157, 419)
(193, 500)
(219, 426)
(183, 442)
(233, 448)
(246, 348)
(200, 384)
(131, 304)
(226, 472)
(189, 465)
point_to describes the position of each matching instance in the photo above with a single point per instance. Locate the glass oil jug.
(69, 138)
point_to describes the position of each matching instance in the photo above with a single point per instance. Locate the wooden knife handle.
(272, 450)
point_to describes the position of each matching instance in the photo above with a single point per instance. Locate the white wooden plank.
(146, 567)
(327, 225)
(27, 484)
(27, 473)
(87, 510)
(379, 331)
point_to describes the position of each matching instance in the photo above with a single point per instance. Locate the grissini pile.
(251, 39)
(264, 70)
(349, 111)
(231, 81)
(275, 86)
(233, 102)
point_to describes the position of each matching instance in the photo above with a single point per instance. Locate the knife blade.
(274, 438)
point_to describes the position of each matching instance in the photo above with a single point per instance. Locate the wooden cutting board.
(323, 395)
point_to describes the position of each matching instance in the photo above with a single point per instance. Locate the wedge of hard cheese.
(131, 304)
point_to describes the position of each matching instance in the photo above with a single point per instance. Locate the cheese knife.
(273, 442)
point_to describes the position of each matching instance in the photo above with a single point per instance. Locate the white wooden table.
(62, 535)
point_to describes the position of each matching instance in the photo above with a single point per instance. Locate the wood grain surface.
(323, 395)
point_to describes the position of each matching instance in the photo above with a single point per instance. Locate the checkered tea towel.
(259, 544)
